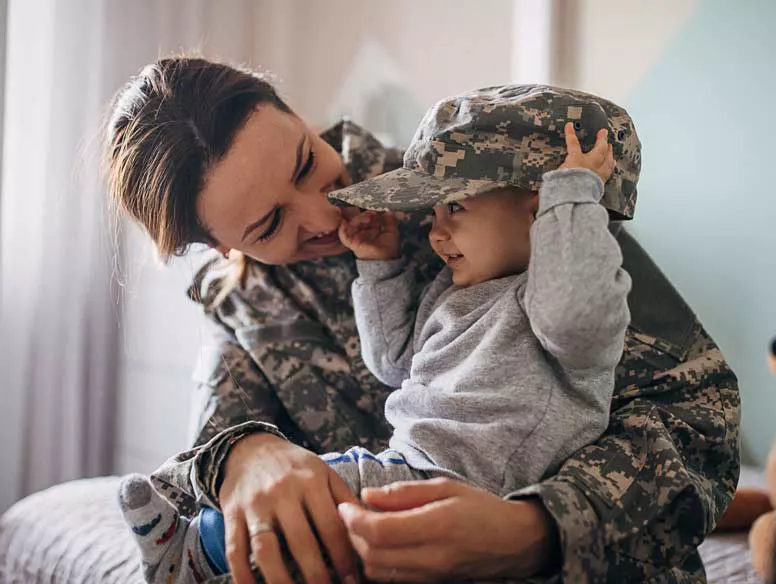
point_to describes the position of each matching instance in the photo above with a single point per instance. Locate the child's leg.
(169, 544)
(360, 469)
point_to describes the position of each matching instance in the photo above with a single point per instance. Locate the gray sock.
(169, 544)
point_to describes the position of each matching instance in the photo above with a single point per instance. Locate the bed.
(74, 534)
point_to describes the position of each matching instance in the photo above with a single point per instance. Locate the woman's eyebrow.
(298, 166)
(257, 224)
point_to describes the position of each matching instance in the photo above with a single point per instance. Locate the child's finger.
(601, 145)
(390, 221)
(344, 235)
(360, 221)
(572, 142)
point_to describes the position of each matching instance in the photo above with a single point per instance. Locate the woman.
(203, 153)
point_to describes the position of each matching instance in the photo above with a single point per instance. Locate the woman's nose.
(318, 215)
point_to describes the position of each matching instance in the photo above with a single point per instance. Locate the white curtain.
(59, 304)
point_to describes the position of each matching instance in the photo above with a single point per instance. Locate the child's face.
(485, 237)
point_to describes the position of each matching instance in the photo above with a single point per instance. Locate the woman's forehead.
(264, 146)
(256, 170)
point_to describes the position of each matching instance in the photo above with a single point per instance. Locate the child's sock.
(169, 544)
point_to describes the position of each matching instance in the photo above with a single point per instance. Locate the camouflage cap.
(501, 136)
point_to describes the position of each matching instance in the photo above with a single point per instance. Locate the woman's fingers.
(237, 548)
(269, 558)
(390, 529)
(332, 533)
(302, 544)
(410, 494)
(412, 564)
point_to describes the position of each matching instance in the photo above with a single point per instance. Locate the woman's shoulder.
(658, 311)
(218, 283)
(241, 292)
(363, 154)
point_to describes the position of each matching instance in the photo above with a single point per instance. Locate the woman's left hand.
(442, 529)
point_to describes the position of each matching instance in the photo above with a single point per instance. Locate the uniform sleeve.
(238, 400)
(576, 297)
(636, 504)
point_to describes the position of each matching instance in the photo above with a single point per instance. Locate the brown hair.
(169, 125)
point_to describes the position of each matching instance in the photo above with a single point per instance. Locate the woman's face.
(267, 196)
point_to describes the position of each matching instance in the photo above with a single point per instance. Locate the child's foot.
(169, 544)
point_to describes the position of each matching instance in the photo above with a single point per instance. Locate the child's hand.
(600, 159)
(371, 235)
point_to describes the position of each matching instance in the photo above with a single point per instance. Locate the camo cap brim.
(502, 136)
(410, 190)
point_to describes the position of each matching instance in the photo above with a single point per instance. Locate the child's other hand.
(371, 235)
(600, 159)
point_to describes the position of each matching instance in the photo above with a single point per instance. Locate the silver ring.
(258, 528)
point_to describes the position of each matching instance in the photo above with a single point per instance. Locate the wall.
(384, 63)
(699, 79)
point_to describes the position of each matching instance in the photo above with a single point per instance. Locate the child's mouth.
(453, 258)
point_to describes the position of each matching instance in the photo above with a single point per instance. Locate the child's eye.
(454, 207)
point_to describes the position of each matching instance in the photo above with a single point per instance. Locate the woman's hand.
(271, 482)
(600, 159)
(371, 235)
(441, 529)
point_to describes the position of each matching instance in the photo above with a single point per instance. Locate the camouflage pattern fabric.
(501, 136)
(632, 506)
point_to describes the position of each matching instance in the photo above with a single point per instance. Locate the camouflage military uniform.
(632, 506)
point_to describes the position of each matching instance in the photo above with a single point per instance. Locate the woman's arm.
(237, 396)
(639, 501)
(286, 379)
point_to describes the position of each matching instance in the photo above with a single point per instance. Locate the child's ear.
(533, 203)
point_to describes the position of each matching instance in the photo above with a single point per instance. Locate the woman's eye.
(454, 207)
(272, 227)
(308, 165)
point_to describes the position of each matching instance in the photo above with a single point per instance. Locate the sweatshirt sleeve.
(385, 299)
(576, 294)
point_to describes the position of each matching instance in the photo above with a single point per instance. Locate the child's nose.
(438, 232)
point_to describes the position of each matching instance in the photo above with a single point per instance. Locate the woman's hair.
(169, 126)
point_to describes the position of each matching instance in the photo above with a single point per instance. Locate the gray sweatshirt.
(501, 381)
